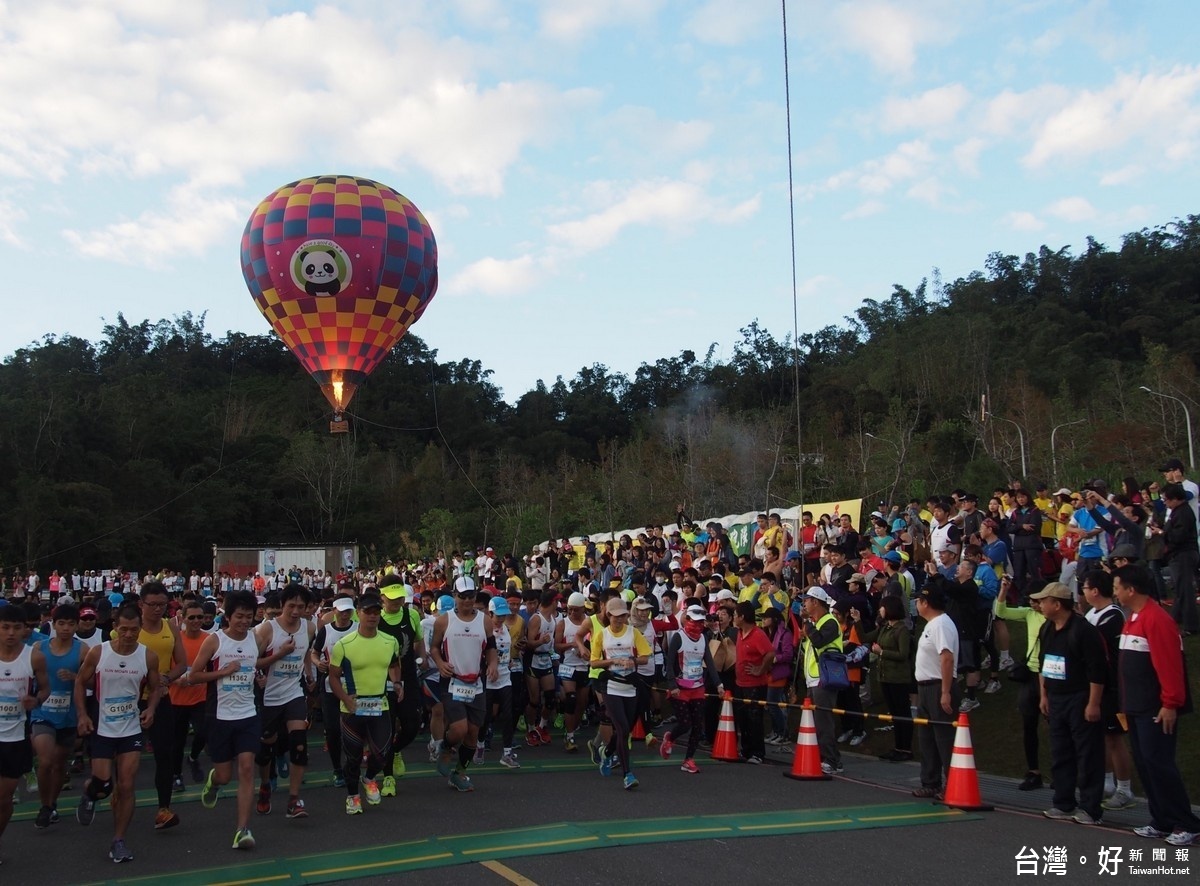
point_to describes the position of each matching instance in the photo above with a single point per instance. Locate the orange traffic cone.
(806, 762)
(725, 747)
(639, 731)
(962, 785)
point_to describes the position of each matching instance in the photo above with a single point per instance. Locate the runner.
(359, 667)
(431, 680)
(284, 642)
(120, 668)
(690, 671)
(403, 622)
(619, 649)
(225, 663)
(500, 690)
(462, 639)
(54, 722)
(23, 668)
(162, 638)
(574, 667)
(539, 713)
(189, 701)
(327, 637)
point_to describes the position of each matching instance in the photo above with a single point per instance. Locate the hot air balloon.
(341, 267)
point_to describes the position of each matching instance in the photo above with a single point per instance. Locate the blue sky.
(607, 181)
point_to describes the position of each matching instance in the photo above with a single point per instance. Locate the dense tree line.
(147, 447)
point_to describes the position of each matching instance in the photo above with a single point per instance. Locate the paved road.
(740, 823)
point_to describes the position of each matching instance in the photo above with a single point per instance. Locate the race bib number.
(57, 703)
(289, 666)
(566, 671)
(542, 661)
(693, 670)
(464, 692)
(120, 710)
(242, 681)
(1054, 667)
(370, 706)
(621, 670)
(10, 708)
(516, 667)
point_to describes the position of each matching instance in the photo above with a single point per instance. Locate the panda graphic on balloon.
(321, 267)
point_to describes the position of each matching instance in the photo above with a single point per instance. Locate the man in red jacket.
(1153, 694)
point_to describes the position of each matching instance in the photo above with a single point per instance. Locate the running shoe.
(398, 766)
(1120, 799)
(197, 772)
(243, 839)
(339, 780)
(263, 806)
(606, 765)
(569, 744)
(667, 745)
(543, 735)
(596, 749)
(434, 750)
(968, 705)
(992, 687)
(1056, 814)
(119, 852)
(830, 769)
(1182, 838)
(651, 739)
(43, 818)
(1150, 832)
(774, 738)
(754, 760)
(631, 781)
(165, 820)
(371, 786)
(177, 783)
(295, 809)
(689, 766)
(210, 792)
(858, 739)
(1031, 782)
(86, 810)
(1082, 817)
(509, 761)
(533, 738)
(443, 764)
(353, 805)
(844, 737)
(388, 788)
(77, 766)
(1006, 662)
(461, 783)
(479, 752)
(53, 815)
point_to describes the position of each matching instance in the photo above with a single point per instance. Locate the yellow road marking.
(507, 873)
(378, 864)
(670, 832)
(945, 814)
(517, 846)
(239, 882)
(793, 824)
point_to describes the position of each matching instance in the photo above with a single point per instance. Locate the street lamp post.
(1187, 417)
(1021, 438)
(1053, 457)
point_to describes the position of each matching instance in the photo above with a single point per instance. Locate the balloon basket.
(338, 424)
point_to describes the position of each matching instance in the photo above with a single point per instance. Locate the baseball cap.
(1172, 464)
(696, 613)
(370, 601)
(87, 612)
(445, 603)
(819, 594)
(616, 606)
(1125, 551)
(642, 603)
(893, 557)
(343, 604)
(464, 585)
(1055, 589)
(1063, 491)
(577, 599)
(396, 591)
(725, 594)
(499, 606)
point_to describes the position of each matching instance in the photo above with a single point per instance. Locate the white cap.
(725, 594)
(696, 613)
(343, 604)
(463, 584)
(577, 599)
(819, 594)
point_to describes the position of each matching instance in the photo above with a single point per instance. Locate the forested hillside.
(145, 448)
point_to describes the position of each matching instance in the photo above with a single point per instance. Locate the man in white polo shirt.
(937, 692)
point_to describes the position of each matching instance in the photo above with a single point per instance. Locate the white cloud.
(727, 22)
(865, 209)
(1123, 175)
(670, 203)
(1072, 209)
(1022, 221)
(889, 34)
(493, 276)
(930, 190)
(966, 155)
(1160, 110)
(575, 19)
(641, 129)
(933, 109)
(1010, 113)
(10, 214)
(193, 223)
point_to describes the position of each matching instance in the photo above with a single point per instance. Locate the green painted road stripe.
(457, 849)
(316, 779)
